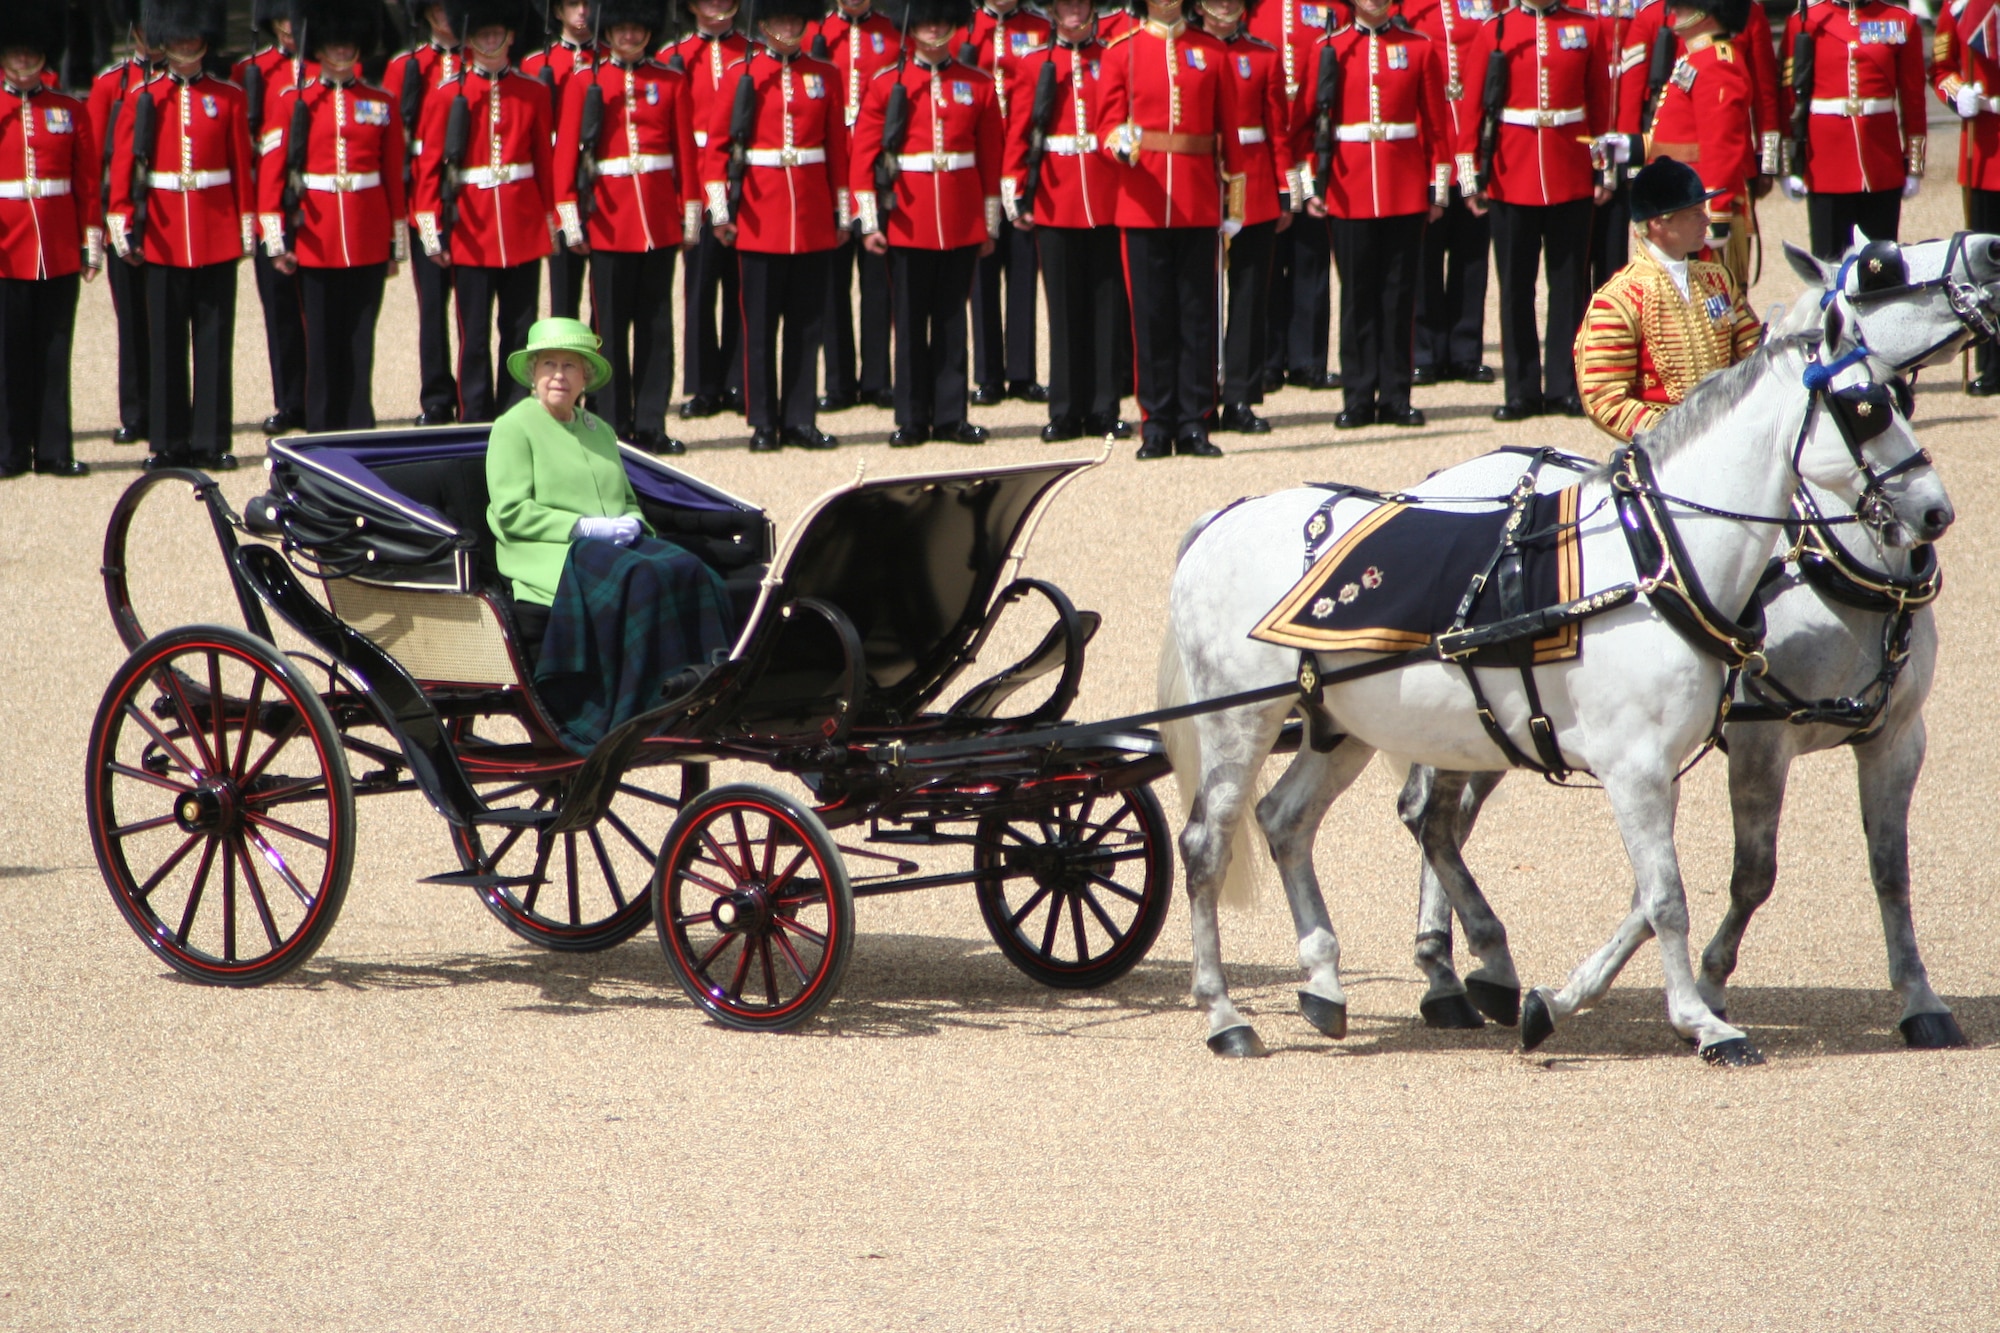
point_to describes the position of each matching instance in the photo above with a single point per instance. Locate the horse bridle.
(1967, 299)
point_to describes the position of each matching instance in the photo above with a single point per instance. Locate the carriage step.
(517, 817)
(472, 879)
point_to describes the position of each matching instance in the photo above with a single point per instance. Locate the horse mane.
(1714, 398)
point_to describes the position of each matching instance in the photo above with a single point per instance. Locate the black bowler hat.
(1665, 186)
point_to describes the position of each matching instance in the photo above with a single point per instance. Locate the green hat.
(558, 334)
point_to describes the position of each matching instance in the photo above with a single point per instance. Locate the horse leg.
(1439, 809)
(1887, 768)
(1759, 761)
(1290, 816)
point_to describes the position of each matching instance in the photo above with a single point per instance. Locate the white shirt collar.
(1677, 269)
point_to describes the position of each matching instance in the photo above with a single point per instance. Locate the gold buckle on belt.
(1853, 106)
(343, 183)
(187, 180)
(1454, 90)
(1545, 118)
(788, 157)
(940, 162)
(1377, 131)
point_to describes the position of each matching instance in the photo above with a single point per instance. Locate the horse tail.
(1182, 739)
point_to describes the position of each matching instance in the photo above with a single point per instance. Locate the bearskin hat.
(1733, 15)
(469, 16)
(43, 28)
(608, 14)
(910, 13)
(170, 21)
(319, 23)
(264, 14)
(758, 11)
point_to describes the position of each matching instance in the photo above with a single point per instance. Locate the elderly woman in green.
(626, 610)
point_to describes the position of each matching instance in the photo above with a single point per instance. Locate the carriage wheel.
(753, 908)
(219, 805)
(1076, 894)
(585, 890)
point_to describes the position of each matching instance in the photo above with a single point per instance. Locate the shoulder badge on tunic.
(1683, 75)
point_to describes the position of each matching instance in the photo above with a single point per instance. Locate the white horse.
(1636, 703)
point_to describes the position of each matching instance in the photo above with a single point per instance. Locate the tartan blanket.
(624, 619)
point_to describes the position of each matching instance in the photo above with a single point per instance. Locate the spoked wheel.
(219, 805)
(583, 890)
(1075, 894)
(753, 908)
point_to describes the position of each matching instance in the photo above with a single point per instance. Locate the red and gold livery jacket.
(1078, 188)
(433, 64)
(200, 208)
(645, 195)
(1165, 119)
(857, 49)
(1956, 61)
(1452, 25)
(506, 185)
(1293, 28)
(51, 220)
(1705, 120)
(948, 183)
(795, 195)
(706, 60)
(1260, 121)
(1644, 345)
(1392, 149)
(1002, 42)
(1866, 128)
(1558, 100)
(1755, 57)
(351, 197)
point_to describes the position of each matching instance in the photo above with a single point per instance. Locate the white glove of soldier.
(1911, 184)
(1794, 187)
(1613, 149)
(620, 531)
(1967, 100)
(1231, 226)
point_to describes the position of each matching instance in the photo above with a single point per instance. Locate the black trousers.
(566, 279)
(1006, 355)
(927, 293)
(341, 306)
(1248, 332)
(128, 309)
(1378, 260)
(437, 388)
(1982, 213)
(632, 309)
(841, 379)
(1451, 299)
(1556, 239)
(515, 291)
(1610, 236)
(1080, 275)
(1833, 219)
(787, 291)
(1301, 297)
(1170, 274)
(37, 329)
(191, 316)
(284, 334)
(713, 353)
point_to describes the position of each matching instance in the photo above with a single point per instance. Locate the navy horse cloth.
(1394, 581)
(624, 619)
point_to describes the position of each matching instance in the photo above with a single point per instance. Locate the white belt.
(1533, 119)
(1069, 145)
(1251, 134)
(1853, 106)
(936, 161)
(344, 184)
(784, 157)
(492, 178)
(188, 180)
(638, 164)
(36, 189)
(1376, 131)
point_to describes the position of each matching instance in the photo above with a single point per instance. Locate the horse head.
(1856, 443)
(1910, 306)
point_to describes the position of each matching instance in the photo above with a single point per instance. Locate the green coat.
(542, 475)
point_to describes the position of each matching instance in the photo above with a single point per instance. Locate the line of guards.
(1180, 180)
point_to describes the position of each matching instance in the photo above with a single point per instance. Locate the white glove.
(1614, 149)
(619, 531)
(1967, 100)
(1794, 187)
(1911, 184)
(1230, 226)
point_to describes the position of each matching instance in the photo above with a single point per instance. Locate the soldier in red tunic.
(857, 42)
(775, 183)
(1859, 126)
(50, 230)
(1965, 63)
(711, 311)
(630, 199)
(489, 217)
(412, 78)
(330, 205)
(1451, 290)
(1165, 119)
(182, 206)
(110, 95)
(574, 30)
(1706, 118)
(943, 213)
(1002, 34)
(263, 75)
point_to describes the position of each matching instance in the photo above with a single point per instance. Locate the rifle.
(742, 130)
(1040, 117)
(591, 126)
(111, 128)
(1326, 115)
(896, 127)
(1493, 101)
(297, 136)
(253, 96)
(457, 136)
(1802, 90)
(145, 138)
(412, 108)
(1658, 71)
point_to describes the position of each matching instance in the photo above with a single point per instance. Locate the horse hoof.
(1327, 1015)
(1502, 1004)
(1931, 1032)
(1536, 1021)
(1450, 1011)
(1238, 1043)
(1736, 1053)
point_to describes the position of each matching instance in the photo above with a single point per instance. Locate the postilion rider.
(1665, 321)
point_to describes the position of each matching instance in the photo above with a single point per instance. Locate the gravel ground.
(432, 1125)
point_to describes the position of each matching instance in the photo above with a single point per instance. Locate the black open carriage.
(223, 771)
